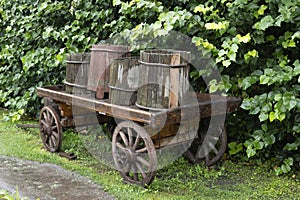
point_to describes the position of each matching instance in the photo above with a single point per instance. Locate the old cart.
(136, 131)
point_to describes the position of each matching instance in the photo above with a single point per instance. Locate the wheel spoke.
(46, 138)
(51, 119)
(121, 158)
(127, 167)
(142, 150)
(141, 169)
(130, 136)
(143, 161)
(54, 127)
(51, 143)
(54, 141)
(123, 136)
(45, 117)
(48, 115)
(123, 149)
(55, 134)
(44, 123)
(213, 148)
(137, 140)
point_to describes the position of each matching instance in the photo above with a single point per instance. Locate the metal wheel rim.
(134, 153)
(50, 129)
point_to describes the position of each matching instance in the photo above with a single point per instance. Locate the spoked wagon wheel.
(134, 153)
(213, 153)
(50, 129)
(212, 147)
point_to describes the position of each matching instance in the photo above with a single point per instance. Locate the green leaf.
(117, 2)
(226, 63)
(213, 88)
(250, 151)
(264, 79)
(265, 23)
(296, 70)
(278, 97)
(235, 148)
(244, 39)
(258, 145)
(262, 9)
(263, 116)
(269, 139)
(272, 116)
(231, 55)
(281, 116)
(246, 104)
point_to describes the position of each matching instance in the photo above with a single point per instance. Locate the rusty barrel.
(164, 78)
(123, 83)
(77, 68)
(101, 56)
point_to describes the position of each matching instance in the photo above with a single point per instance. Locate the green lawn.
(181, 180)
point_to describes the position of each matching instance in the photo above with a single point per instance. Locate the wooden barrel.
(101, 56)
(77, 68)
(164, 79)
(123, 83)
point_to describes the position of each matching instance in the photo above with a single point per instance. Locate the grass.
(180, 180)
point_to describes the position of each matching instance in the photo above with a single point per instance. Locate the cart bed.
(209, 105)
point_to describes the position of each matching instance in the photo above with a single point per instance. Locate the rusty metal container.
(164, 78)
(101, 56)
(123, 83)
(77, 68)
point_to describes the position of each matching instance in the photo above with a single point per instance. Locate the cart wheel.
(134, 153)
(50, 129)
(215, 151)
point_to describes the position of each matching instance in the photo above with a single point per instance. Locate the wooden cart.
(134, 134)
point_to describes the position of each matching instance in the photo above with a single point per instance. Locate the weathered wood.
(206, 102)
(101, 56)
(77, 67)
(174, 84)
(161, 87)
(180, 138)
(123, 82)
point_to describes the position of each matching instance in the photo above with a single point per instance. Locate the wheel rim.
(134, 153)
(214, 152)
(50, 129)
(213, 147)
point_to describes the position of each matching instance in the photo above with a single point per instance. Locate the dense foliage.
(254, 43)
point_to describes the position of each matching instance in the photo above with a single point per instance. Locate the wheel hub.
(130, 155)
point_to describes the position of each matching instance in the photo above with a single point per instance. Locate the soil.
(46, 181)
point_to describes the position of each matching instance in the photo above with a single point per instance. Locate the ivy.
(255, 45)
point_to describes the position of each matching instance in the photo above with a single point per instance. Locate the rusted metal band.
(75, 85)
(151, 108)
(122, 89)
(162, 65)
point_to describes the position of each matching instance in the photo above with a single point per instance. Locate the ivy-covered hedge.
(34, 39)
(254, 43)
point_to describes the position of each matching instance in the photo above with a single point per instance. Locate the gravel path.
(46, 181)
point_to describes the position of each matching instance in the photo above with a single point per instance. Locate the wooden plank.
(166, 131)
(177, 139)
(102, 106)
(174, 81)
